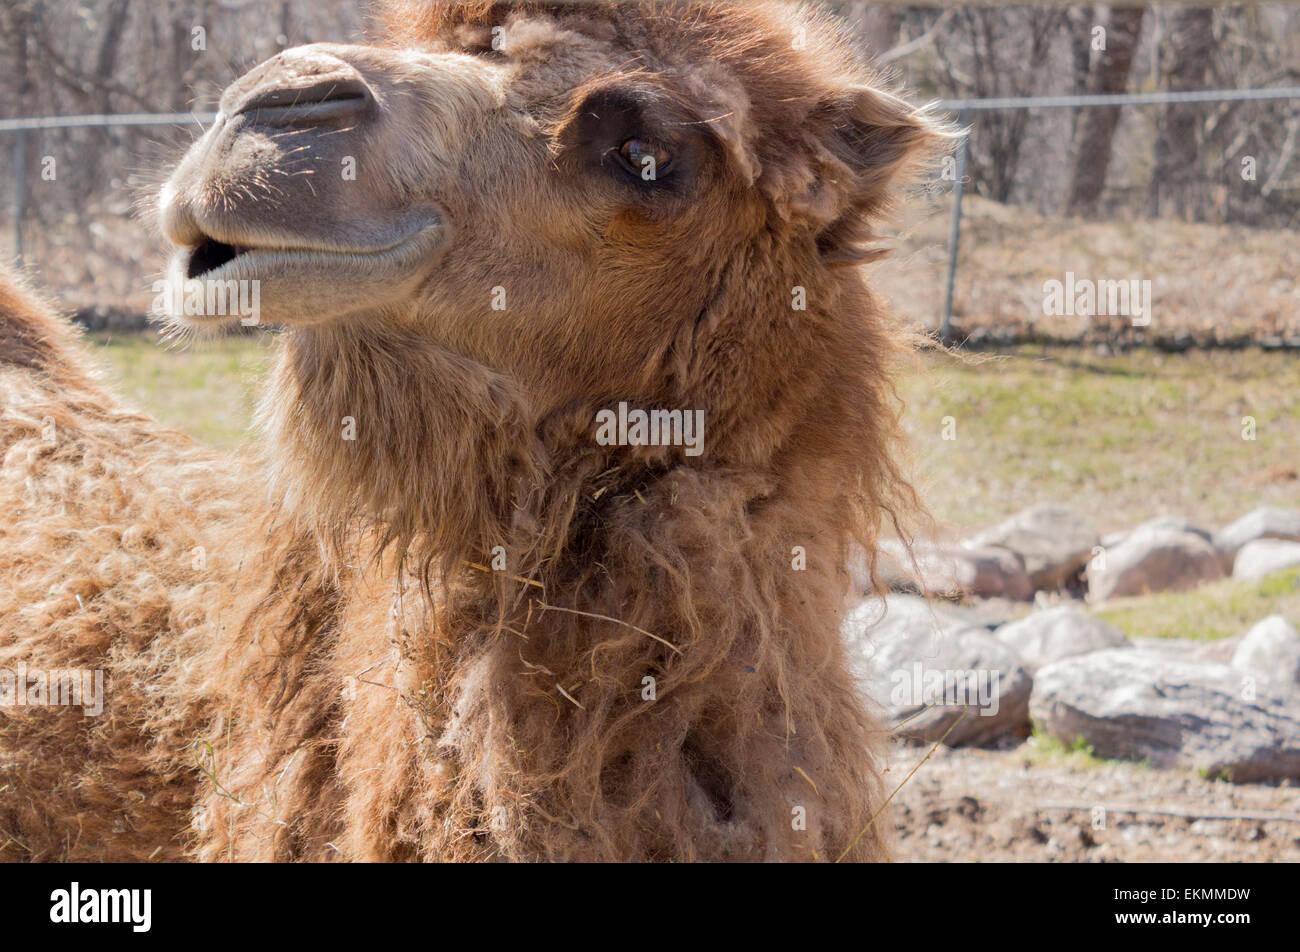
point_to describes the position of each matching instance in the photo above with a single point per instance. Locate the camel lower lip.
(249, 262)
(278, 276)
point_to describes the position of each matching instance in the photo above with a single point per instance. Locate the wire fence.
(965, 109)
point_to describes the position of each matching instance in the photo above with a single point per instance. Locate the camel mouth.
(210, 254)
(215, 259)
(298, 280)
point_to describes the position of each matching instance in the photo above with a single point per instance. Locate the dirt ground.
(968, 805)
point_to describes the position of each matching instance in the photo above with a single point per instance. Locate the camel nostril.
(340, 97)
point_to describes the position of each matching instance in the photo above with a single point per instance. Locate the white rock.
(928, 666)
(1219, 650)
(1266, 522)
(1047, 636)
(1054, 542)
(1271, 652)
(1178, 523)
(985, 572)
(1153, 559)
(1264, 557)
(1136, 705)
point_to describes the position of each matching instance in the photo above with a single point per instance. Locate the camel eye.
(645, 158)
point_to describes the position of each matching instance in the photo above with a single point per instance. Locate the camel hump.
(34, 337)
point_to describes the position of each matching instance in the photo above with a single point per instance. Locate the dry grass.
(1215, 282)
(1217, 610)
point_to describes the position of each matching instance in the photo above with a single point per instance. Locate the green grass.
(208, 390)
(1216, 610)
(1122, 437)
(1042, 749)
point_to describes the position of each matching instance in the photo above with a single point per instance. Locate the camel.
(435, 617)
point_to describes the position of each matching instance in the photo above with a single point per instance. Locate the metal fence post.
(20, 193)
(954, 231)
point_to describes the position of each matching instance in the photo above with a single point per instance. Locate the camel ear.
(880, 135)
(871, 141)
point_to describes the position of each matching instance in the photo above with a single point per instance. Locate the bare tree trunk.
(997, 51)
(114, 20)
(1186, 59)
(1006, 153)
(1096, 129)
(1079, 22)
(17, 23)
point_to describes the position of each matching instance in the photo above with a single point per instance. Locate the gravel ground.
(969, 805)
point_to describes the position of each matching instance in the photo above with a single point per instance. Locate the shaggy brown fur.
(341, 674)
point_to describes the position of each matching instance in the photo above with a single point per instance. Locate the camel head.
(519, 210)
